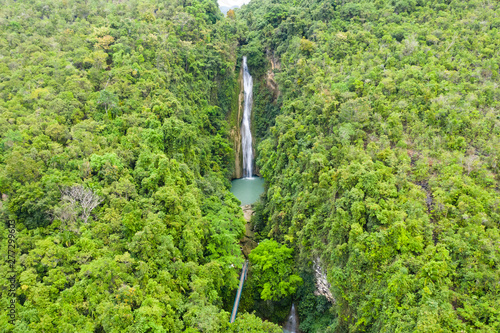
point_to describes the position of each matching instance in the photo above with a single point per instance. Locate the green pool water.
(248, 190)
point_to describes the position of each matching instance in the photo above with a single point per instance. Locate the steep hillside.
(114, 166)
(383, 165)
(377, 124)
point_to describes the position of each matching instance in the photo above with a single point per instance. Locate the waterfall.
(246, 133)
(292, 322)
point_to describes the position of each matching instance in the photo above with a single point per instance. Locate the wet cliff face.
(266, 102)
(248, 243)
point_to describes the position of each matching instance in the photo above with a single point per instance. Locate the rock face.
(235, 132)
(247, 212)
(322, 285)
(247, 243)
(270, 81)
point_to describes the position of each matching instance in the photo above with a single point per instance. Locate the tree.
(85, 198)
(272, 268)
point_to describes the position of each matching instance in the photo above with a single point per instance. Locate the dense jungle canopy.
(377, 130)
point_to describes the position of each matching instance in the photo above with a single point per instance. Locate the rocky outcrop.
(247, 212)
(322, 284)
(247, 243)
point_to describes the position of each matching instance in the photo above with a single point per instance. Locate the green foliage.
(272, 270)
(381, 155)
(108, 100)
(383, 160)
(314, 311)
(255, 54)
(249, 323)
(124, 101)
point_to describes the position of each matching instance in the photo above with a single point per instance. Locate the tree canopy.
(272, 266)
(383, 161)
(114, 163)
(377, 125)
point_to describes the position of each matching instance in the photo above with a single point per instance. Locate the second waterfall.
(246, 133)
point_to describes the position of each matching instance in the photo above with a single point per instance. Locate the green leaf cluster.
(272, 266)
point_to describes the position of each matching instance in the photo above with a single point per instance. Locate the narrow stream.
(292, 323)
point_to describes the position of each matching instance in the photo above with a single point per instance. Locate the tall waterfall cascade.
(246, 133)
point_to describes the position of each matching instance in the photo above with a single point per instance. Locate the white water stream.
(292, 323)
(246, 133)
